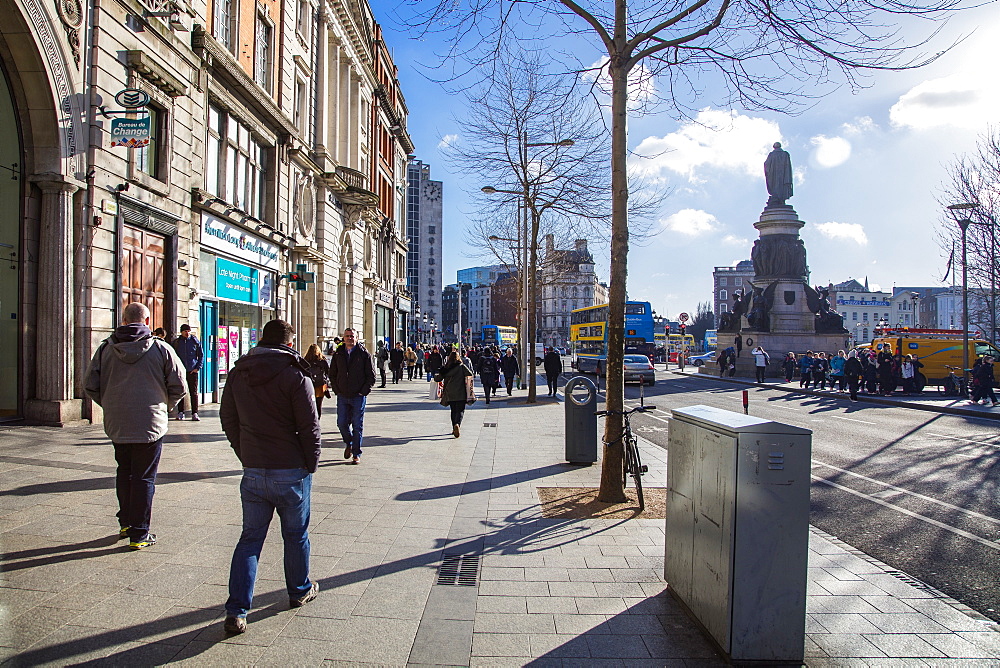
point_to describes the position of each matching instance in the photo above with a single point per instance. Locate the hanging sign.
(130, 132)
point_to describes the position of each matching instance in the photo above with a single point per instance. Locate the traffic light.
(667, 329)
(683, 328)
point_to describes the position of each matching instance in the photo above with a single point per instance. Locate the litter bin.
(737, 531)
(581, 423)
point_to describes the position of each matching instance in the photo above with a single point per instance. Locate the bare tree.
(530, 140)
(763, 54)
(975, 179)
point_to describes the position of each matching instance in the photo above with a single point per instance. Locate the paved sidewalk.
(548, 592)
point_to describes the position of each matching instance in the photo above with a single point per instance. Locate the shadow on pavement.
(108, 482)
(483, 484)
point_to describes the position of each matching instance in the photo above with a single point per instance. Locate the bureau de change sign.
(130, 132)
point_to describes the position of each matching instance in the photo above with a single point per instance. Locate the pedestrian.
(397, 358)
(820, 366)
(853, 372)
(136, 378)
(871, 372)
(837, 363)
(270, 419)
(739, 343)
(552, 363)
(511, 369)
(788, 366)
(805, 369)
(723, 362)
(907, 373)
(418, 365)
(454, 392)
(489, 373)
(188, 349)
(411, 362)
(886, 377)
(984, 374)
(435, 360)
(382, 359)
(352, 376)
(319, 373)
(760, 360)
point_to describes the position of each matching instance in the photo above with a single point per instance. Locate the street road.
(914, 489)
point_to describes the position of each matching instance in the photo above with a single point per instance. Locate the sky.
(869, 165)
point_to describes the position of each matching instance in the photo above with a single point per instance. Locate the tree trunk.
(611, 490)
(532, 307)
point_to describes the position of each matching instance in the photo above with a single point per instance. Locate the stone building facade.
(277, 138)
(424, 221)
(567, 281)
(727, 280)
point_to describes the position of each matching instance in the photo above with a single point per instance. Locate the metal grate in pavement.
(489, 424)
(459, 569)
(916, 584)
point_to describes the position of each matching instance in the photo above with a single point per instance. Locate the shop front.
(238, 291)
(383, 318)
(402, 315)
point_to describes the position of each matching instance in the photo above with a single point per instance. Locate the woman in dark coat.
(853, 372)
(489, 372)
(319, 371)
(454, 393)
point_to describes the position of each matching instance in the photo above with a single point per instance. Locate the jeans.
(409, 373)
(553, 381)
(760, 373)
(192, 383)
(351, 421)
(135, 482)
(457, 411)
(262, 491)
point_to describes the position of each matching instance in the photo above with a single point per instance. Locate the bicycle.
(955, 385)
(631, 462)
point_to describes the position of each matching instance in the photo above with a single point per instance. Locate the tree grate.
(459, 569)
(489, 424)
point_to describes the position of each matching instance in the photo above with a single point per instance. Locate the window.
(303, 19)
(299, 113)
(723, 280)
(236, 164)
(222, 29)
(864, 317)
(431, 229)
(262, 53)
(147, 158)
(854, 315)
(723, 295)
(723, 308)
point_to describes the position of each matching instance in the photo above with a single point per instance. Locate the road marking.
(841, 417)
(900, 490)
(923, 518)
(966, 440)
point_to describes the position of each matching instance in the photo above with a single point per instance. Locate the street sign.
(683, 317)
(130, 132)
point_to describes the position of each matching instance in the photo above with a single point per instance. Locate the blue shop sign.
(235, 281)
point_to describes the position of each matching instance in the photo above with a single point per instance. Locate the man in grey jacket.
(136, 378)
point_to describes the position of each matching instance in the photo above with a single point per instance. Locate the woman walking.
(411, 362)
(319, 372)
(788, 366)
(853, 372)
(454, 393)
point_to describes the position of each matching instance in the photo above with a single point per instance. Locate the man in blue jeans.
(269, 415)
(352, 375)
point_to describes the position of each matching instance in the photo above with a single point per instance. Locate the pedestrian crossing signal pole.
(746, 402)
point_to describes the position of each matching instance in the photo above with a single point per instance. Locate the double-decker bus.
(588, 333)
(501, 336)
(678, 342)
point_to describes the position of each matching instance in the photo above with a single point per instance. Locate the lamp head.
(489, 190)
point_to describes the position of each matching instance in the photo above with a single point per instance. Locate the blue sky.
(869, 168)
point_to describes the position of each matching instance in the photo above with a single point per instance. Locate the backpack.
(318, 374)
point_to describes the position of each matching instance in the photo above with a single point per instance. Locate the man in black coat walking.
(396, 356)
(269, 415)
(511, 368)
(553, 369)
(352, 376)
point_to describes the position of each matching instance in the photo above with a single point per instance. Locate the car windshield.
(636, 359)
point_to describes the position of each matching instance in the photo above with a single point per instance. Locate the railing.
(353, 177)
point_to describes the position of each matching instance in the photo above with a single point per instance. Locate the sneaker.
(308, 596)
(235, 625)
(347, 452)
(180, 415)
(150, 539)
(356, 460)
(195, 418)
(122, 533)
(455, 431)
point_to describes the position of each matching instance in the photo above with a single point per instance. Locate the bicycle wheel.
(636, 466)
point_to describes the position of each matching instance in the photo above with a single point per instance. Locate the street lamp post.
(963, 224)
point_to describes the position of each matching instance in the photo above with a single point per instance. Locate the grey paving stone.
(844, 623)
(904, 645)
(511, 604)
(580, 624)
(617, 647)
(551, 604)
(442, 642)
(500, 644)
(846, 645)
(601, 605)
(904, 622)
(490, 622)
(554, 646)
(951, 645)
(574, 589)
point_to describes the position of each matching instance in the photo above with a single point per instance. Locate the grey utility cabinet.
(737, 532)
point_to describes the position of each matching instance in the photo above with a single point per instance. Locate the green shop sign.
(235, 281)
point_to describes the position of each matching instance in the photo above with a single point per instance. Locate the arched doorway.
(11, 181)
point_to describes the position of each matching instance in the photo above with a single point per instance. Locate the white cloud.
(847, 231)
(860, 126)
(733, 240)
(960, 100)
(715, 139)
(690, 222)
(641, 82)
(830, 151)
(447, 142)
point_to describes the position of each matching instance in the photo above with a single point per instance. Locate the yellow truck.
(937, 349)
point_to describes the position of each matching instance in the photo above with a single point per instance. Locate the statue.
(828, 321)
(779, 255)
(733, 321)
(778, 176)
(759, 317)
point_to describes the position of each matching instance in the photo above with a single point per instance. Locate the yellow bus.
(678, 342)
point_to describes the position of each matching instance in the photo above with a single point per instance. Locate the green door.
(10, 248)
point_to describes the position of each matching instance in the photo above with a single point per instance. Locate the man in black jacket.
(352, 375)
(553, 369)
(511, 368)
(269, 415)
(396, 357)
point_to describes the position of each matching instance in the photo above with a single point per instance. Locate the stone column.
(54, 403)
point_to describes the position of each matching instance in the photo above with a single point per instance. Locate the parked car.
(639, 368)
(702, 359)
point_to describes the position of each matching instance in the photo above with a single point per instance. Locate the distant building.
(505, 300)
(424, 220)
(726, 281)
(477, 277)
(861, 308)
(449, 311)
(567, 281)
(479, 310)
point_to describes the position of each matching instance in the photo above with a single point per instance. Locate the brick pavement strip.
(550, 592)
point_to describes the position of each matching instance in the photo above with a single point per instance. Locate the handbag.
(470, 391)
(322, 391)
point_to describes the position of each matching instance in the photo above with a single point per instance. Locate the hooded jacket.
(268, 410)
(136, 378)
